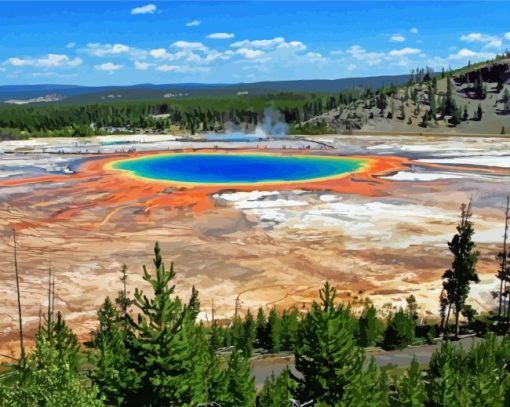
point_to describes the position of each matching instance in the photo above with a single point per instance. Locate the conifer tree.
(249, 333)
(239, 390)
(274, 330)
(171, 353)
(368, 327)
(399, 332)
(462, 273)
(276, 391)
(411, 390)
(326, 354)
(261, 335)
(290, 326)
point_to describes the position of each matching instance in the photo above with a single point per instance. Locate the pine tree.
(457, 279)
(276, 391)
(249, 334)
(274, 330)
(479, 112)
(290, 326)
(261, 334)
(239, 388)
(368, 327)
(48, 380)
(113, 372)
(171, 353)
(326, 354)
(411, 390)
(399, 332)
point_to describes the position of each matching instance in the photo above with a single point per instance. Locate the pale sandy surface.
(269, 247)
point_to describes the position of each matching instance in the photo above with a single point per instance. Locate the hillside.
(474, 99)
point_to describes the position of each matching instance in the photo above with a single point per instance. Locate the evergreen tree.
(290, 326)
(249, 334)
(171, 353)
(239, 390)
(411, 390)
(326, 354)
(50, 377)
(368, 327)
(458, 278)
(274, 330)
(113, 372)
(399, 332)
(276, 391)
(261, 334)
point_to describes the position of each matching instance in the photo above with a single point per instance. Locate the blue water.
(223, 168)
(233, 137)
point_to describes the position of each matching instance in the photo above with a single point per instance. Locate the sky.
(123, 42)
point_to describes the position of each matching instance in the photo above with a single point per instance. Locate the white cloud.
(49, 61)
(147, 9)
(315, 57)
(297, 45)
(490, 41)
(467, 53)
(71, 45)
(101, 50)
(181, 68)
(194, 23)
(337, 52)
(189, 45)
(397, 38)
(142, 66)
(351, 67)
(507, 36)
(250, 53)
(108, 67)
(259, 43)
(158, 53)
(414, 30)
(361, 54)
(404, 51)
(221, 36)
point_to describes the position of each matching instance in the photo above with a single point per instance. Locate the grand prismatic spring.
(238, 169)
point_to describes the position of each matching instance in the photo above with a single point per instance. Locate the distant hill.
(79, 94)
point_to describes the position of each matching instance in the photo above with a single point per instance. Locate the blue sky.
(123, 42)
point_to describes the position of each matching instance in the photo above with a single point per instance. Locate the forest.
(149, 349)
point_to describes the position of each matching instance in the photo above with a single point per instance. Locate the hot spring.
(238, 168)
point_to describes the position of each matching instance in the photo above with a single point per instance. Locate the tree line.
(149, 349)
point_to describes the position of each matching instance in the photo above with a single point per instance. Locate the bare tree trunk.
(21, 344)
(445, 332)
(457, 312)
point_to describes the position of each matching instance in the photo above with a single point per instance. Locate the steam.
(274, 124)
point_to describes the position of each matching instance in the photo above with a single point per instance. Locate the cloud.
(147, 9)
(361, 54)
(71, 45)
(49, 61)
(490, 41)
(467, 53)
(507, 36)
(414, 30)
(397, 38)
(297, 45)
(194, 23)
(221, 36)
(315, 57)
(108, 67)
(259, 43)
(189, 45)
(158, 53)
(181, 68)
(142, 66)
(250, 53)
(404, 51)
(351, 67)
(101, 50)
